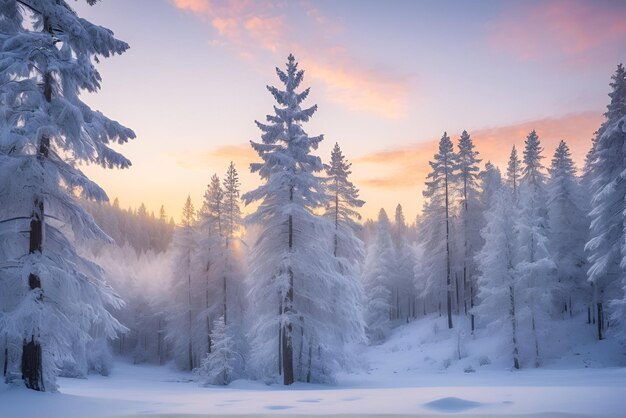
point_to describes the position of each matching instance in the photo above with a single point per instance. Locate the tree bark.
(513, 327)
(448, 279)
(32, 364)
(287, 342)
(600, 321)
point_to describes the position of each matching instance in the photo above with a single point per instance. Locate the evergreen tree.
(467, 166)
(182, 318)
(211, 264)
(534, 268)
(439, 212)
(218, 366)
(232, 211)
(403, 289)
(608, 191)
(490, 183)
(341, 210)
(292, 270)
(47, 60)
(568, 228)
(513, 171)
(380, 263)
(496, 282)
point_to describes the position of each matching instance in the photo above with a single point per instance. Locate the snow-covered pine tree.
(608, 189)
(490, 183)
(514, 171)
(380, 265)
(438, 211)
(47, 59)
(292, 268)
(535, 269)
(218, 367)
(232, 211)
(185, 304)
(495, 261)
(233, 257)
(469, 216)
(569, 230)
(403, 296)
(210, 262)
(341, 211)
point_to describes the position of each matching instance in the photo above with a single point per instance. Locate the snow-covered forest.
(513, 267)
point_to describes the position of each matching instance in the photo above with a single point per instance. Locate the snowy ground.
(405, 376)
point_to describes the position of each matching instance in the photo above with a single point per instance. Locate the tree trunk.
(189, 325)
(225, 300)
(534, 327)
(5, 366)
(448, 278)
(336, 218)
(465, 281)
(600, 321)
(458, 293)
(280, 342)
(308, 374)
(287, 342)
(513, 326)
(32, 364)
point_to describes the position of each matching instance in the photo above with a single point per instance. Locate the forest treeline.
(284, 293)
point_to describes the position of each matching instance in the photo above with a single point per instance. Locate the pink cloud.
(250, 29)
(576, 31)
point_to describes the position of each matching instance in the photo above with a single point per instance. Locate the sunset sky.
(389, 78)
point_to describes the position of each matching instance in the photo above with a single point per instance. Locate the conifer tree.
(182, 318)
(568, 228)
(342, 212)
(218, 366)
(534, 268)
(467, 166)
(232, 211)
(496, 282)
(380, 263)
(438, 191)
(608, 190)
(490, 183)
(513, 171)
(47, 60)
(210, 265)
(403, 292)
(292, 269)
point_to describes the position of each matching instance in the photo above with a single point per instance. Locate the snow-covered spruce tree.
(292, 268)
(569, 230)
(496, 283)
(534, 267)
(403, 294)
(218, 366)
(438, 217)
(185, 294)
(469, 216)
(380, 265)
(490, 182)
(57, 297)
(210, 262)
(514, 171)
(233, 257)
(341, 211)
(232, 211)
(605, 247)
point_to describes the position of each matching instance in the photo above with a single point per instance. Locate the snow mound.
(452, 404)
